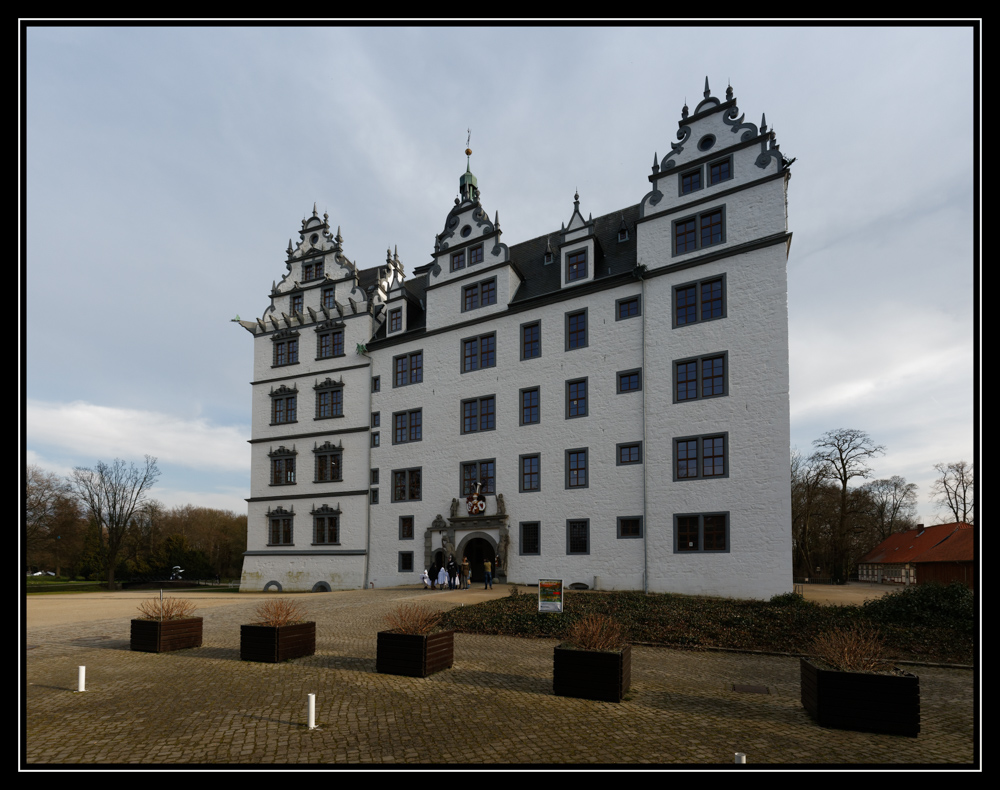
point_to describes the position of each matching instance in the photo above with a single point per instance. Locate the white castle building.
(618, 388)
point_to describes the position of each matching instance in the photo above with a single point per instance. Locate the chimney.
(920, 530)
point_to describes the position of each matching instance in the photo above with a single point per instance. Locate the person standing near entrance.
(488, 569)
(466, 572)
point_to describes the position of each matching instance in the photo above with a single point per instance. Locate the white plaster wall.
(444, 303)
(299, 573)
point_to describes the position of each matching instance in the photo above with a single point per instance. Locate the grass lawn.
(935, 624)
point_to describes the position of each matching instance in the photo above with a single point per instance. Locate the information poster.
(550, 595)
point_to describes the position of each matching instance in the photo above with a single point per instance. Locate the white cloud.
(106, 432)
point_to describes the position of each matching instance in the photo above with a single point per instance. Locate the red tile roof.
(959, 547)
(909, 546)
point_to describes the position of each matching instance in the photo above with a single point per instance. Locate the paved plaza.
(495, 706)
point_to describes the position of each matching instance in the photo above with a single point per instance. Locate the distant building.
(617, 388)
(942, 553)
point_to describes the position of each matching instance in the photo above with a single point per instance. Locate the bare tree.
(955, 490)
(112, 494)
(43, 494)
(807, 504)
(891, 506)
(843, 455)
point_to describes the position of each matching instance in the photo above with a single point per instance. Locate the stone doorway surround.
(454, 534)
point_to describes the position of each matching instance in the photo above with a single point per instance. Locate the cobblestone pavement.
(495, 706)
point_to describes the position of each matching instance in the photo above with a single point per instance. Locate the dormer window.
(476, 254)
(623, 234)
(396, 319)
(548, 257)
(458, 261)
(576, 266)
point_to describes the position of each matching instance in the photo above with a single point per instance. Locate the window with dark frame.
(719, 171)
(330, 344)
(406, 562)
(479, 295)
(408, 369)
(479, 472)
(457, 260)
(279, 527)
(704, 377)
(283, 471)
(296, 303)
(530, 537)
(479, 353)
(329, 403)
(576, 266)
(312, 271)
(479, 414)
(627, 308)
(691, 181)
(704, 230)
(396, 319)
(630, 381)
(530, 473)
(578, 537)
(576, 468)
(576, 398)
(286, 352)
(406, 485)
(700, 457)
(700, 301)
(407, 426)
(630, 526)
(283, 406)
(326, 525)
(531, 340)
(328, 467)
(576, 330)
(406, 527)
(699, 532)
(630, 453)
(330, 298)
(476, 254)
(530, 409)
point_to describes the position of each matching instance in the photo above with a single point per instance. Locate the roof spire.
(708, 91)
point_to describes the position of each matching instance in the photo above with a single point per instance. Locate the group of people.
(452, 576)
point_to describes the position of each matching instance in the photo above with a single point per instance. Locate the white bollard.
(741, 758)
(312, 711)
(81, 678)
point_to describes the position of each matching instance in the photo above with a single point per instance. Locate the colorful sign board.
(550, 595)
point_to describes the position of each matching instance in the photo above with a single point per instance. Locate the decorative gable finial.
(763, 123)
(656, 164)
(290, 249)
(708, 91)
(315, 213)
(684, 109)
(496, 220)
(729, 92)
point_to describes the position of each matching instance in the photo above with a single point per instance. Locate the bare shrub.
(412, 619)
(280, 611)
(858, 648)
(166, 609)
(597, 632)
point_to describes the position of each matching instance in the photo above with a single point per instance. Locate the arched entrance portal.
(478, 550)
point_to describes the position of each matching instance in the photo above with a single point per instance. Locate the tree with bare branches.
(955, 489)
(112, 494)
(891, 506)
(843, 455)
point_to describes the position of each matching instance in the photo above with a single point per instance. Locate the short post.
(312, 712)
(741, 758)
(81, 678)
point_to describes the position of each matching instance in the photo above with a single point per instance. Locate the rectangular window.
(326, 529)
(476, 254)
(406, 527)
(376, 383)
(312, 271)
(530, 473)
(576, 398)
(407, 426)
(720, 171)
(283, 409)
(406, 485)
(373, 496)
(479, 414)
(702, 377)
(283, 471)
(630, 526)
(630, 453)
(329, 403)
(629, 380)
(374, 477)
(408, 369)
(704, 230)
(329, 298)
(576, 468)
(479, 472)
(701, 457)
(280, 531)
(700, 301)
(296, 303)
(479, 295)
(628, 307)
(331, 344)
(405, 562)
(576, 266)
(286, 352)
(376, 419)
(458, 261)
(479, 352)
(531, 542)
(576, 330)
(531, 340)
(697, 532)
(578, 536)
(690, 181)
(375, 439)
(396, 319)
(530, 409)
(328, 468)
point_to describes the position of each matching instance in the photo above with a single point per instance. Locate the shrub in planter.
(280, 633)
(164, 625)
(852, 685)
(594, 663)
(412, 645)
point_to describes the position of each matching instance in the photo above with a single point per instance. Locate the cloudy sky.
(167, 168)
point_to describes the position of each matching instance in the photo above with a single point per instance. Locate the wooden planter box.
(592, 674)
(859, 701)
(414, 655)
(162, 636)
(271, 644)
